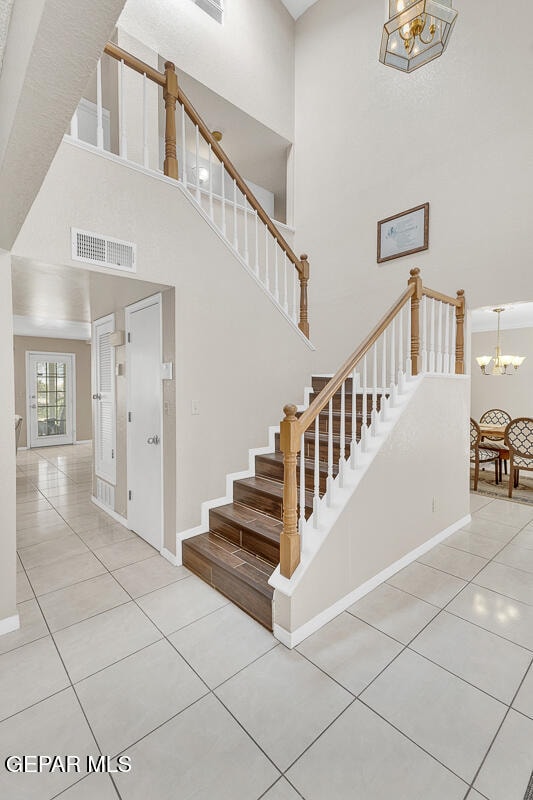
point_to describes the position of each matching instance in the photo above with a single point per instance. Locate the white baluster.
(401, 383)
(246, 253)
(184, 150)
(364, 426)
(123, 146)
(294, 296)
(285, 284)
(267, 276)
(453, 339)
(276, 270)
(197, 170)
(374, 412)
(353, 442)
(439, 340)
(393, 392)
(446, 364)
(329, 479)
(99, 115)
(316, 491)
(432, 337)
(223, 193)
(424, 352)
(384, 400)
(409, 360)
(74, 125)
(256, 243)
(302, 485)
(146, 155)
(342, 446)
(210, 170)
(235, 231)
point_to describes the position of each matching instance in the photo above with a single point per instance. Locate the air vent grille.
(103, 250)
(105, 494)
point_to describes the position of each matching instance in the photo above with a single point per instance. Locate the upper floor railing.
(194, 157)
(422, 332)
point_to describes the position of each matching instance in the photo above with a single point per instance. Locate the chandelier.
(417, 32)
(500, 362)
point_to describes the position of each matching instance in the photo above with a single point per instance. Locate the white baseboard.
(292, 638)
(170, 557)
(109, 511)
(83, 441)
(9, 624)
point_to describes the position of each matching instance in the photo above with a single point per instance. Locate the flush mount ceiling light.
(500, 362)
(416, 32)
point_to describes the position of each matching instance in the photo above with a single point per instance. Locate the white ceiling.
(297, 7)
(61, 302)
(517, 315)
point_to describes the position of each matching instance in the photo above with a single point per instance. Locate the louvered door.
(103, 356)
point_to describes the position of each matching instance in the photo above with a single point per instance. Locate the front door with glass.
(50, 383)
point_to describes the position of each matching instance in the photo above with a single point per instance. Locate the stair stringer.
(325, 582)
(207, 505)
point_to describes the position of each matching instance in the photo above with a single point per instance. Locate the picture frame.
(404, 233)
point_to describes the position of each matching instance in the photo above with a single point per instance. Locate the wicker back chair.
(519, 440)
(480, 455)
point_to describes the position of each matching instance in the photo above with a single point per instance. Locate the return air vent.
(103, 250)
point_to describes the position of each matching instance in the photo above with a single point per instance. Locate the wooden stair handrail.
(160, 78)
(322, 399)
(292, 428)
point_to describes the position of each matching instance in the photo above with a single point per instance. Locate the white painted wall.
(512, 393)
(7, 456)
(371, 142)
(249, 59)
(390, 513)
(235, 352)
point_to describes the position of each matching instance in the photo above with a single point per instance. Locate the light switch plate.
(166, 371)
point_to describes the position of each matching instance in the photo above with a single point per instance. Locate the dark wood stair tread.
(277, 458)
(238, 574)
(251, 519)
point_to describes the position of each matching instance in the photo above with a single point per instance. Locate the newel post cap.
(290, 412)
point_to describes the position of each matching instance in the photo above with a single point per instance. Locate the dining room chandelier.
(500, 362)
(416, 32)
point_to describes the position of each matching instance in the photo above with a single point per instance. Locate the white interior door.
(145, 458)
(50, 383)
(103, 390)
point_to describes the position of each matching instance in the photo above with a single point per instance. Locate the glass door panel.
(50, 381)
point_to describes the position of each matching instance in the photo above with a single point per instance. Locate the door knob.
(33, 405)
(153, 439)
(97, 396)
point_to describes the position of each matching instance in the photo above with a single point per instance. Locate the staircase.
(242, 547)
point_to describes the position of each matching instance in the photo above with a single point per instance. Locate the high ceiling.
(516, 315)
(297, 7)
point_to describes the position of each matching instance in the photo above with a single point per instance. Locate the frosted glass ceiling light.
(500, 362)
(416, 32)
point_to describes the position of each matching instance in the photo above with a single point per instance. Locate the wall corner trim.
(9, 624)
(293, 638)
(170, 557)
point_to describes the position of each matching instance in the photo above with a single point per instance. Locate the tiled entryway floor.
(423, 690)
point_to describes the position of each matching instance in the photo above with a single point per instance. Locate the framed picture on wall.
(404, 233)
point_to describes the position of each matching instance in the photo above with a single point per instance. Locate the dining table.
(496, 432)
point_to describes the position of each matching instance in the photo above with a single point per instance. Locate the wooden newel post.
(290, 538)
(416, 280)
(170, 96)
(460, 334)
(304, 279)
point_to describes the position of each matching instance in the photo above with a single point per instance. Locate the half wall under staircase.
(322, 462)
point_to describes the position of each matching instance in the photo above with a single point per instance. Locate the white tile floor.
(423, 690)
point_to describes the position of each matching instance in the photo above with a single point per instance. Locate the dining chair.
(519, 440)
(480, 455)
(496, 416)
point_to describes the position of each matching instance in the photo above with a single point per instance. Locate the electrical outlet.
(195, 407)
(434, 505)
